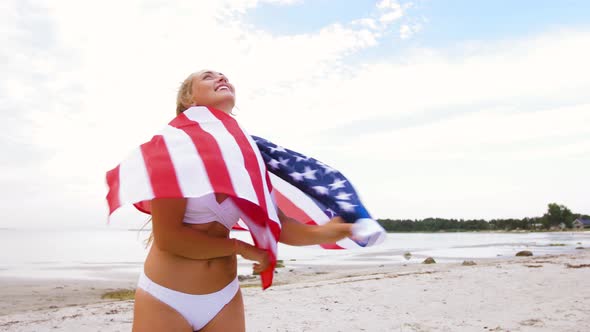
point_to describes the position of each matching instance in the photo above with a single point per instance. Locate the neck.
(224, 107)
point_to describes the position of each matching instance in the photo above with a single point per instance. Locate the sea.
(105, 253)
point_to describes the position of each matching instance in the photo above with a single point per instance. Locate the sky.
(452, 109)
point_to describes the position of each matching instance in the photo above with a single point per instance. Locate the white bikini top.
(205, 209)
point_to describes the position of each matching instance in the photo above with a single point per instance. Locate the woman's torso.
(193, 276)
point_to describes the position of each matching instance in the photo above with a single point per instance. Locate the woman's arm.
(171, 235)
(297, 234)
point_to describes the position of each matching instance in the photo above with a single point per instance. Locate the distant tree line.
(555, 216)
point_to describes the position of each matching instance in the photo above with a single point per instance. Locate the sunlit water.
(114, 253)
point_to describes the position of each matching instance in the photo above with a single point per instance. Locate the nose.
(222, 78)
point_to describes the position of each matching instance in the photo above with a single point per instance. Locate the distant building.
(559, 227)
(581, 223)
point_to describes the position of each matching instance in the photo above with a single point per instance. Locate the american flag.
(204, 151)
(312, 192)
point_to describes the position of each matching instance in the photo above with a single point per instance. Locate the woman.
(189, 281)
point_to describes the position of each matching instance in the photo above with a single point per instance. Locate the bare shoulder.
(168, 203)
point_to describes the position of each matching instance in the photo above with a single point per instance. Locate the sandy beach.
(543, 293)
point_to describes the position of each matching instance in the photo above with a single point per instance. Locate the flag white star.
(328, 169)
(284, 161)
(277, 148)
(274, 163)
(297, 176)
(321, 190)
(346, 206)
(300, 158)
(343, 196)
(337, 184)
(330, 213)
(309, 173)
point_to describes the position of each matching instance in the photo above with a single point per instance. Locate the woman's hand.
(335, 230)
(250, 252)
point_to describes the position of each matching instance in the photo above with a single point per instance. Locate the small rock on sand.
(242, 277)
(429, 260)
(524, 253)
(468, 263)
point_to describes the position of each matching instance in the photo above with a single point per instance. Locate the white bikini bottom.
(199, 309)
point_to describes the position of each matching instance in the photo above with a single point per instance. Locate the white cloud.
(520, 103)
(406, 31)
(388, 4)
(102, 79)
(538, 72)
(390, 11)
(366, 22)
(501, 128)
(284, 2)
(95, 79)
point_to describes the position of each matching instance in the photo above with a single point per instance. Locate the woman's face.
(211, 88)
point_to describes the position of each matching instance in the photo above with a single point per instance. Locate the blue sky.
(307, 16)
(455, 21)
(448, 22)
(456, 109)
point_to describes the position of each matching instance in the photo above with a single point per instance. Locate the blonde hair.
(184, 98)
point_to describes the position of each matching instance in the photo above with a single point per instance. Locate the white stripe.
(263, 235)
(348, 244)
(188, 165)
(270, 202)
(230, 151)
(300, 199)
(134, 182)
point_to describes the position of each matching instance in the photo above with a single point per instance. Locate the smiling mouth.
(223, 87)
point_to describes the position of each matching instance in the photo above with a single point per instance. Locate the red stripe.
(160, 168)
(113, 194)
(330, 246)
(250, 160)
(292, 210)
(252, 212)
(144, 206)
(267, 275)
(297, 213)
(210, 153)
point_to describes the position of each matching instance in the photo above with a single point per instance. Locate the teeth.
(222, 88)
